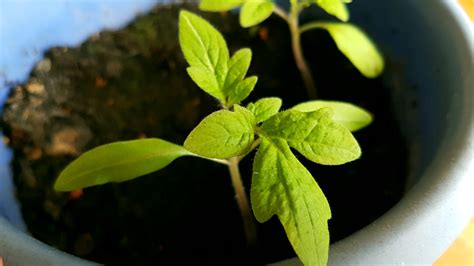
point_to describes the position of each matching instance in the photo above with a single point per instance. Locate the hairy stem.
(242, 201)
(293, 22)
(300, 60)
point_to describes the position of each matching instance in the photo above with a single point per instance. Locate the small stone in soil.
(35, 88)
(34, 154)
(44, 65)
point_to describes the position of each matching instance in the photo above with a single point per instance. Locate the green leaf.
(238, 66)
(207, 81)
(249, 116)
(220, 5)
(242, 91)
(354, 44)
(210, 66)
(315, 135)
(236, 87)
(118, 162)
(336, 8)
(254, 12)
(222, 134)
(282, 186)
(206, 52)
(346, 114)
(265, 108)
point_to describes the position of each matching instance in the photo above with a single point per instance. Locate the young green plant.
(281, 185)
(350, 39)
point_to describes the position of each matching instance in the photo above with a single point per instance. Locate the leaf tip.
(59, 187)
(183, 13)
(345, 18)
(370, 117)
(378, 68)
(344, 15)
(253, 79)
(60, 184)
(247, 51)
(186, 15)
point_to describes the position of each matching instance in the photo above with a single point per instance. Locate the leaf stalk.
(310, 26)
(242, 201)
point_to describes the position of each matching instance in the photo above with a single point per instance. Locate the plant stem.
(280, 12)
(217, 160)
(242, 201)
(300, 60)
(293, 22)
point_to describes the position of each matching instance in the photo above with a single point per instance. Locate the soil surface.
(132, 84)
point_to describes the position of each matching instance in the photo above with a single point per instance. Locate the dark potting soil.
(132, 83)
